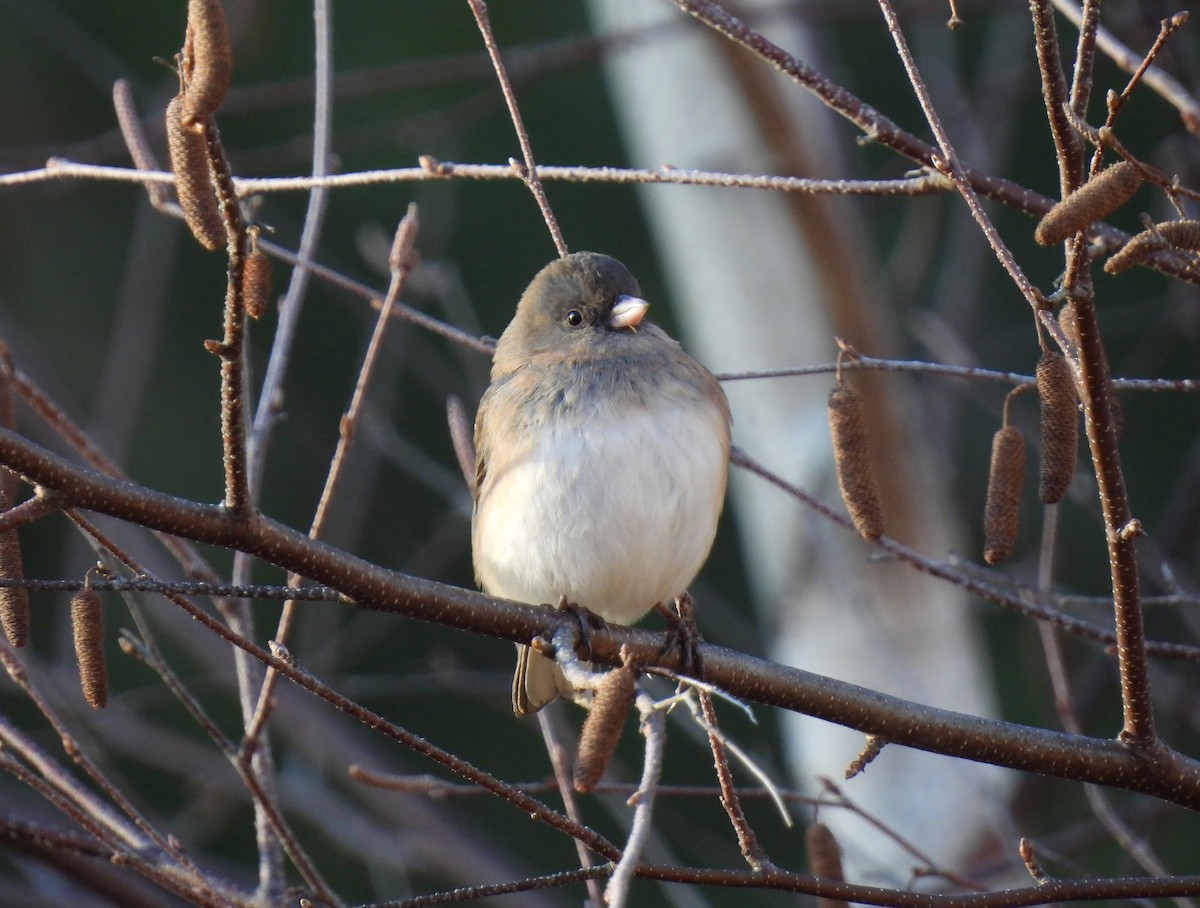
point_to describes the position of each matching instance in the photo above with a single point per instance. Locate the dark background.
(105, 303)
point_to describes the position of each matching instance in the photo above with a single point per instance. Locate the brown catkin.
(1139, 248)
(14, 600)
(1094, 200)
(256, 283)
(852, 458)
(87, 627)
(1002, 511)
(208, 61)
(1059, 410)
(603, 725)
(193, 181)
(824, 860)
(1180, 234)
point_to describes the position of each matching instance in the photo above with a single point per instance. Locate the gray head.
(582, 304)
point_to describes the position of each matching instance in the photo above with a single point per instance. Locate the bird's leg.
(586, 620)
(683, 636)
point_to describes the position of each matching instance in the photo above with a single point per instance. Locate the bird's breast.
(609, 499)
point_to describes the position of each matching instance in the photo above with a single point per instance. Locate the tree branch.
(1159, 771)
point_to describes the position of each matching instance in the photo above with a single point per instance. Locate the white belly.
(616, 517)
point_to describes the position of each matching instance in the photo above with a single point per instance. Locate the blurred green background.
(106, 303)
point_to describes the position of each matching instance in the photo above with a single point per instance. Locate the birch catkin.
(1059, 413)
(852, 459)
(208, 61)
(824, 860)
(1093, 201)
(1005, 478)
(188, 149)
(87, 628)
(1179, 234)
(603, 725)
(14, 600)
(256, 283)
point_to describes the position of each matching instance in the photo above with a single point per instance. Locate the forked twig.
(654, 730)
(1155, 77)
(527, 170)
(948, 163)
(748, 842)
(551, 732)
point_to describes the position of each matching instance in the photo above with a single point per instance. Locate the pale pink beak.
(628, 312)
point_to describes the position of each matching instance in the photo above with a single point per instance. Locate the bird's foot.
(683, 636)
(586, 621)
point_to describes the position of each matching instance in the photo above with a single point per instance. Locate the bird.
(602, 454)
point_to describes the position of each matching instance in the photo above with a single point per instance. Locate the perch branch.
(1159, 771)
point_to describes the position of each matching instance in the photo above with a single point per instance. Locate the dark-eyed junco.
(601, 457)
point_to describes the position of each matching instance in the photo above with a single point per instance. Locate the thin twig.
(654, 730)
(67, 786)
(527, 884)
(31, 510)
(399, 309)
(401, 262)
(263, 798)
(135, 140)
(232, 347)
(146, 584)
(1120, 529)
(1064, 703)
(1009, 193)
(433, 170)
(862, 361)
(948, 163)
(875, 125)
(1166, 85)
(200, 889)
(269, 401)
(952, 573)
(1166, 28)
(831, 789)
(270, 398)
(529, 170)
(566, 790)
(73, 798)
(1067, 143)
(460, 439)
(748, 842)
(1085, 57)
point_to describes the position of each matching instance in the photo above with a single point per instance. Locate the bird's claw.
(586, 622)
(683, 637)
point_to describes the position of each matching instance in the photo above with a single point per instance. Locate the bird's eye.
(574, 318)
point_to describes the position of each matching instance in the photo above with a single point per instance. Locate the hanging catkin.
(87, 628)
(1059, 412)
(14, 600)
(1002, 511)
(207, 61)
(1093, 201)
(603, 725)
(852, 459)
(256, 283)
(188, 149)
(824, 860)
(1179, 234)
